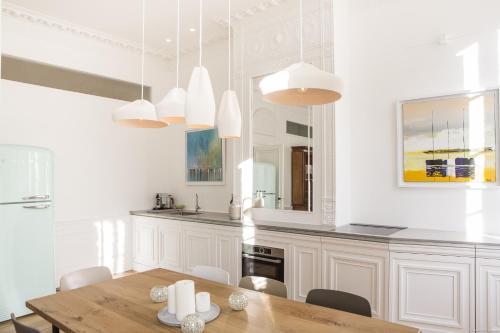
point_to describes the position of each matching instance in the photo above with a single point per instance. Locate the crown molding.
(251, 11)
(51, 22)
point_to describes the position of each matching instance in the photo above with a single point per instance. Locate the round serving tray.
(169, 319)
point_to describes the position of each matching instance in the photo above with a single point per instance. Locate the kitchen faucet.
(197, 207)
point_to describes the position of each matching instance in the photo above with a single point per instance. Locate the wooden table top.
(123, 305)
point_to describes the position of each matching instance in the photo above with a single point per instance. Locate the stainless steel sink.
(184, 213)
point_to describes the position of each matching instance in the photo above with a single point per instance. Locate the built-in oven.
(263, 261)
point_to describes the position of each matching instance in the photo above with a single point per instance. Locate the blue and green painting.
(204, 156)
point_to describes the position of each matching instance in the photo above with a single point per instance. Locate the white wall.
(395, 55)
(211, 198)
(101, 170)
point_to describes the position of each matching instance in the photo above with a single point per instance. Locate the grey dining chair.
(340, 300)
(211, 273)
(264, 285)
(20, 327)
(85, 277)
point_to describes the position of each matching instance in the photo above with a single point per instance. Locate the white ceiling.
(122, 18)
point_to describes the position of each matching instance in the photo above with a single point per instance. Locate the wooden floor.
(38, 322)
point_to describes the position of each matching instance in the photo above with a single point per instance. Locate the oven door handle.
(274, 261)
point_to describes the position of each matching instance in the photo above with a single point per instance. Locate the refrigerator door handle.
(37, 197)
(37, 207)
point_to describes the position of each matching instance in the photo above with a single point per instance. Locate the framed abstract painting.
(205, 158)
(449, 141)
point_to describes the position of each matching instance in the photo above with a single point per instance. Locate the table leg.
(55, 329)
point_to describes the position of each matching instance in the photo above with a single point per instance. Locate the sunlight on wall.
(111, 240)
(474, 215)
(470, 58)
(246, 168)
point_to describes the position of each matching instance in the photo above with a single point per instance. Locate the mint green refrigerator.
(26, 227)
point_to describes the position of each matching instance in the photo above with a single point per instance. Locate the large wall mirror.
(283, 154)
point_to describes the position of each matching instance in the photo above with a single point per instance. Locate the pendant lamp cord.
(201, 28)
(301, 27)
(142, 53)
(229, 45)
(178, 30)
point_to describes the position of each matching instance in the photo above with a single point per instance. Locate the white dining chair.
(211, 273)
(264, 285)
(85, 277)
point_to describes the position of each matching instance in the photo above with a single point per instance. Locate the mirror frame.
(261, 48)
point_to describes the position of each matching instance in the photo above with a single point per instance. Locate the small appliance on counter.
(163, 201)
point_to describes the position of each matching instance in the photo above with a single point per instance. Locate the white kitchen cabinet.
(198, 247)
(434, 292)
(170, 254)
(227, 253)
(306, 266)
(360, 268)
(145, 244)
(488, 290)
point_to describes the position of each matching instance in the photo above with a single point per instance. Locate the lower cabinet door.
(359, 268)
(228, 254)
(170, 247)
(432, 292)
(306, 268)
(488, 295)
(198, 248)
(145, 244)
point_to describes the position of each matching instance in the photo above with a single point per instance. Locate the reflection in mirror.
(282, 154)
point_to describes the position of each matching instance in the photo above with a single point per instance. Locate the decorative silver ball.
(158, 294)
(192, 324)
(238, 301)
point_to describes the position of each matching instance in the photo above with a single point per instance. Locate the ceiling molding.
(251, 11)
(51, 22)
(34, 17)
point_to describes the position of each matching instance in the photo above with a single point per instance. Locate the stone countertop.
(405, 236)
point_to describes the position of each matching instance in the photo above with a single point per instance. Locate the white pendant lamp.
(171, 107)
(301, 83)
(229, 116)
(139, 113)
(200, 101)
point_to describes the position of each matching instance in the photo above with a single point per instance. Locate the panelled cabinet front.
(170, 241)
(488, 290)
(145, 244)
(432, 292)
(360, 268)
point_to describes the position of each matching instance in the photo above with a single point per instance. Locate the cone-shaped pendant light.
(200, 101)
(171, 107)
(301, 84)
(139, 113)
(229, 116)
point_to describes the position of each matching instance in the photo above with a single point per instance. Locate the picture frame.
(205, 162)
(437, 140)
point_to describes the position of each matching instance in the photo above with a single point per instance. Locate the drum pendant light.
(229, 116)
(301, 83)
(140, 113)
(171, 107)
(200, 101)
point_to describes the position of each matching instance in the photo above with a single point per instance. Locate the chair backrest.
(340, 300)
(211, 273)
(264, 285)
(21, 328)
(85, 277)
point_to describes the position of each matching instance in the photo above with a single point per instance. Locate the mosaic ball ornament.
(238, 301)
(159, 294)
(192, 324)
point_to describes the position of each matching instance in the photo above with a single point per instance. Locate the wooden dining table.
(123, 306)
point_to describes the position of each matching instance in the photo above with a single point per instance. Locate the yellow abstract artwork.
(450, 139)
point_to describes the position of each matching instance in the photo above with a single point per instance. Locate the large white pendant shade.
(139, 114)
(171, 107)
(301, 84)
(229, 116)
(200, 101)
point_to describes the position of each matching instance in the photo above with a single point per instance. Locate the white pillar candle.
(171, 298)
(203, 302)
(184, 299)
